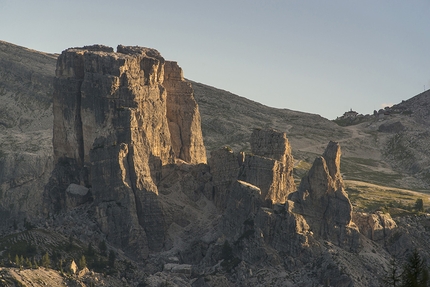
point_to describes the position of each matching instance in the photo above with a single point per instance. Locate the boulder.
(76, 195)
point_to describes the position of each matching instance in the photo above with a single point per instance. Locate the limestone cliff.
(118, 118)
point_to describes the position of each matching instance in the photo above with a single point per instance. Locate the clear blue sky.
(323, 57)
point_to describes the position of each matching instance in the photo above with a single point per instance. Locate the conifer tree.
(393, 275)
(28, 263)
(103, 248)
(35, 264)
(419, 205)
(17, 260)
(90, 250)
(46, 261)
(112, 258)
(82, 262)
(415, 273)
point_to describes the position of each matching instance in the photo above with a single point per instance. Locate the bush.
(419, 205)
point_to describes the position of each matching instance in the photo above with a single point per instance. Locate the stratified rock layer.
(119, 117)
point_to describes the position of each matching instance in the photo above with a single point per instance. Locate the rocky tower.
(183, 116)
(271, 165)
(322, 200)
(119, 117)
(269, 168)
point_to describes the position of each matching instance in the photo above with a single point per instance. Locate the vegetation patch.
(363, 169)
(398, 202)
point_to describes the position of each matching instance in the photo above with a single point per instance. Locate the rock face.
(269, 167)
(377, 226)
(118, 118)
(183, 116)
(322, 200)
(224, 165)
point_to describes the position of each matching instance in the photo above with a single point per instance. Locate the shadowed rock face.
(119, 117)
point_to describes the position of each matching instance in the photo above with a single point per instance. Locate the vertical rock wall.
(183, 116)
(271, 166)
(119, 119)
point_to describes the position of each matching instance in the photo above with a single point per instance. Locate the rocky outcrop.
(271, 166)
(323, 202)
(224, 165)
(256, 230)
(183, 116)
(377, 226)
(118, 118)
(243, 203)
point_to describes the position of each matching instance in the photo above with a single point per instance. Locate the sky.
(322, 57)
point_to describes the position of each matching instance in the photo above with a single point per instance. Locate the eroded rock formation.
(269, 167)
(377, 226)
(322, 200)
(118, 118)
(183, 116)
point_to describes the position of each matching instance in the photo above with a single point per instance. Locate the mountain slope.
(25, 128)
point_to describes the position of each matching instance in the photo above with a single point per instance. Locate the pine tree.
(17, 260)
(415, 273)
(35, 264)
(28, 263)
(419, 205)
(90, 250)
(60, 265)
(82, 262)
(393, 275)
(102, 248)
(46, 261)
(112, 258)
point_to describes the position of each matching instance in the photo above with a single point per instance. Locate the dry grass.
(369, 197)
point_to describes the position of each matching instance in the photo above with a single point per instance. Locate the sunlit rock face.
(118, 118)
(271, 165)
(183, 116)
